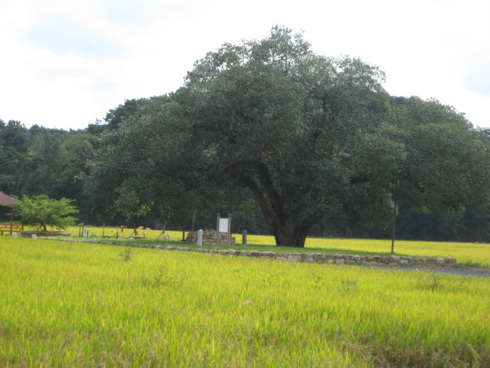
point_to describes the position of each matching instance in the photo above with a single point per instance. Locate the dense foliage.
(291, 142)
(311, 138)
(45, 161)
(42, 212)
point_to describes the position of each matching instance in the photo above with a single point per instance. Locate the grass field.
(87, 305)
(475, 253)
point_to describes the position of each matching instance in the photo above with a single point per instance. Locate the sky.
(65, 63)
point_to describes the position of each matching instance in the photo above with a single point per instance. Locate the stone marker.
(244, 237)
(199, 237)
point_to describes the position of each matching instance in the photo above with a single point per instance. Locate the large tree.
(285, 123)
(311, 137)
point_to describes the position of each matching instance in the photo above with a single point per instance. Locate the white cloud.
(115, 50)
(478, 80)
(126, 12)
(63, 36)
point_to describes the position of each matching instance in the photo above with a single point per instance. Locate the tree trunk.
(274, 203)
(288, 233)
(193, 220)
(184, 225)
(393, 230)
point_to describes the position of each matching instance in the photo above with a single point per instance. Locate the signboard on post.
(223, 225)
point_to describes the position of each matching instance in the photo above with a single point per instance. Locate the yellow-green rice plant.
(79, 305)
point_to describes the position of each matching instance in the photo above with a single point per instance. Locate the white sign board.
(223, 225)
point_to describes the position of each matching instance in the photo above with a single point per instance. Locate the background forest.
(54, 162)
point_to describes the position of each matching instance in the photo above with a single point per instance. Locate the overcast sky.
(65, 63)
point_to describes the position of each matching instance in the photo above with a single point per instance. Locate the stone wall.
(209, 238)
(28, 234)
(298, 257)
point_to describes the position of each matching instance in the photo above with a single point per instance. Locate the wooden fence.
(11, 228)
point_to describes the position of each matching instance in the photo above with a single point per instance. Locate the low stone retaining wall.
(209, 238)
(293, 257)
(28, 234)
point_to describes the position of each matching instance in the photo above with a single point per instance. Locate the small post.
(244, 237)
(229, 230)
(393, 230)
(11, 220)
(217, 228)
(199, 237)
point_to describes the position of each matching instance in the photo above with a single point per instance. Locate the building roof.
(6, 199)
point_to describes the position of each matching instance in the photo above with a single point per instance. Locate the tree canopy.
(443, 161)
(42, 211)
(285, 123)
(311, 137)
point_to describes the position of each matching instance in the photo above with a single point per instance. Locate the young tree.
(42, 211)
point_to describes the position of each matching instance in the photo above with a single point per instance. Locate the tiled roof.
(6, 199)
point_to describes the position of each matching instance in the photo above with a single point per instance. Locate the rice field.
(87, 305)
(476, 253)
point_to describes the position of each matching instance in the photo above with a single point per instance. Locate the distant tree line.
(45, 161)
(29, 167)
(291, 143)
